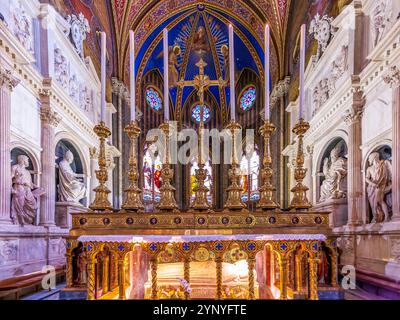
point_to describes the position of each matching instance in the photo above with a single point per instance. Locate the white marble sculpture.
(74, 88)
(79, 28)
(61, 69)
(380, 19)
(24, 202)
(334, 171)
(70, 189)
(323, 31)
(23, 27)
(379, 184)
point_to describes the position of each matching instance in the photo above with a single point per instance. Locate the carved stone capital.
(7, 79)
(393, 77)
(50, 117)
(119, 88)
(93, 153)
(352, 115)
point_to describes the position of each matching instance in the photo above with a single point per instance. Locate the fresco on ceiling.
(194, 35)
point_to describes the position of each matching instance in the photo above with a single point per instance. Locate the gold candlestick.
(300, 200)
(167, 201)
(101, 202)
(133, 193)
(267, 190)
(234, 199)
(200, 201)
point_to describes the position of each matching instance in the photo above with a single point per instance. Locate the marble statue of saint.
(24, 193)
(379, 184)
(70, 189)
(334, 170)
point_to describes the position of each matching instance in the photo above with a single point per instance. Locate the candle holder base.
(300, 200)
(101, 202)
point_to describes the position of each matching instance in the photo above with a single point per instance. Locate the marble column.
(7, 83)
(94, 165)
(353, 119)
(50, 120)
(393, 78)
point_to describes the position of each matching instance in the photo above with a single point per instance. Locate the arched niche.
(332, 171)
(77, 165)
(33, 164)
(378, 199)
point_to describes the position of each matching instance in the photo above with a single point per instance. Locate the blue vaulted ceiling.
(182, 30)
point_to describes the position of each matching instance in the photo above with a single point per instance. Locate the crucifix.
(201, 82)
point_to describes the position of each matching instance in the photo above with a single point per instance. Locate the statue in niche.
(379, 185)
(200, 43)
(79, 263)
(24, 193)
(70, 189)
(334, 171)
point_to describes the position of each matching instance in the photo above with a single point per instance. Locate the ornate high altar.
(202, 253)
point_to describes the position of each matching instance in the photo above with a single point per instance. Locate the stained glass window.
(250, 167)
(208, 183)
(196, 113)
(153, 99)
(152, 175)
(248, 98)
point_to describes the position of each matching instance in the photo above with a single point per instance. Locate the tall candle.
(166, 79)
(302, 69)
(132, 76)
(103, 75)
(232, 73)
(267, 73)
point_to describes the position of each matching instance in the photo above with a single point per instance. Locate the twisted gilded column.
(186, 275)
(334, 269)
(91, 278)
(154, 286)
(105, 276)
(7, 84)
(50, 120)
(298, 275)
(393, 78)
(313, 277)
(251, 262)
(121, 279)
(218, 270)
(352, 118)
(283, 270)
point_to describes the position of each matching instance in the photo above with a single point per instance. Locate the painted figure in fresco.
(200, 43)
(70, 189)
(24, 193)
(379, 185)
(334, 171)
(225, 54)
(157, 177)
(173, 73)
(323, 266)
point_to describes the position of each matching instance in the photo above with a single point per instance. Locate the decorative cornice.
(393, 77)
(7, 79)
(48, 116)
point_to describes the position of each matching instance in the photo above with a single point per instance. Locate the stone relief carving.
(346, 245)
(379, 185)
(381, 19)
(326, 87)
(334, 171)
(23, 27)
(393, 77)
(395, 249)
(79, 28)
(74, 88)
(8, 252)
(85, 99)
(70, 189)
(61, 69)
(323, 31)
